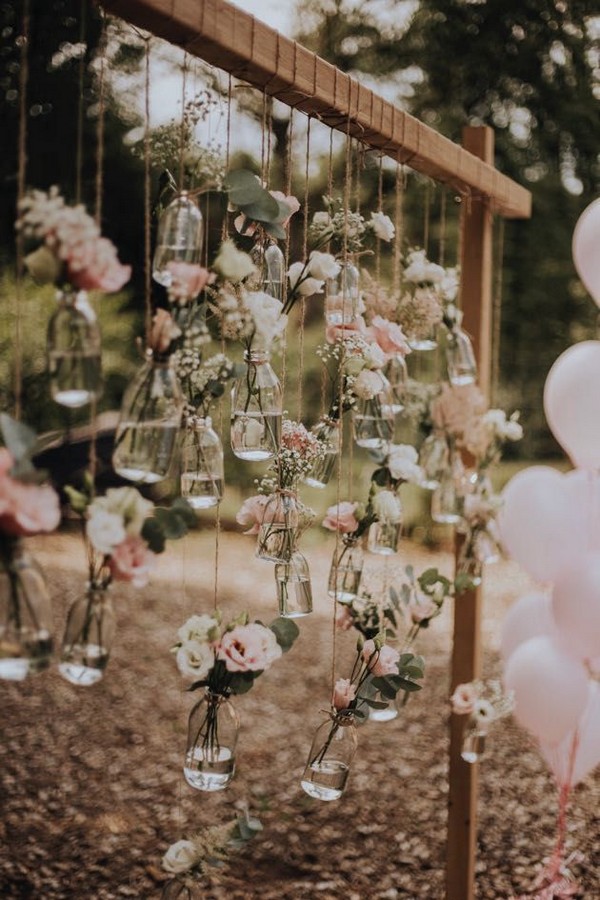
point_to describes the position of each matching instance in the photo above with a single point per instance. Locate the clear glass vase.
(280, 528)
(256, 410)
(179, 237)
(327, 430)
(329, 760)
(147, 436)
(213, 729)
(396, 373)
(447, 500)
(346, 570)
(434, 460)
(25, 614)
(294, 590)
(202, 471)
(383, 538)
(342, 295)
(74, 351)
(269, 260)
(88, 638)
(373, 419)
(384, 713)
(460, 357)
(473, 745)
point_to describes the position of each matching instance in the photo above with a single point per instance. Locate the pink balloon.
(572, 403)
(586, 255)
(540, 522)
(550, 688)
(576, 606)
(587, 754)
(531, 616)
(583, 490)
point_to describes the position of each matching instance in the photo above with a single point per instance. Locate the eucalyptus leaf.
(241, 682)
(19, 438)
(153, 535)
(77, 500)
(182, 508)
(173, 526)
(263, 209)
(286, 631)
(243, 187)
(380, 477)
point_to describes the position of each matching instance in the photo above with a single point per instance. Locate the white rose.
(367, 384)
(382, 226)
(513, 431)
(195, 659)
(232, 263)
(181, 857)
(448, 285)
(302, 282)
(128, 503)
(402, 463)
(420, 270)
(199, 628)
(483, 712)
(105, 530)
(387, 507)
(265, 310)
(374, 356)
(321, 219)
(323, 265)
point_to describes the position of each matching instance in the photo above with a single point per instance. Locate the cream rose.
(387, 507)
(199, 628)
(105, 530)
(343, 693)
(195, 659)
(341, 518)
(380, 662)
(233, 264)
(181, 857)
(382, 226)
(323, 265)
(402, 463)
(302, 282)
(463, 699)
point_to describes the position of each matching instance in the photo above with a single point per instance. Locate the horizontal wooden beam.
(231, 39)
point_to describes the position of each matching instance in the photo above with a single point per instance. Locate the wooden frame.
(235, 41)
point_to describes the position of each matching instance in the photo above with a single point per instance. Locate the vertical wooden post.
(476, 274)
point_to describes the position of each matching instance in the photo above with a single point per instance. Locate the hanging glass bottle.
(202, 470)
(213, 729)
(460, 357)
(329, 759)
(269, 260)
(25, 614)
(256, 410)
(434, 460)
(384, 713)
(88, 638)
(447, 500)
(396, 373)
(474, 742)
(383, 538)
(346, 570)
(147, 435)
(423, 333)
(73, 350)
(373, 419)
(327, 431)
(281, 527)
(179, 237)
(294, 591)
(342, 295)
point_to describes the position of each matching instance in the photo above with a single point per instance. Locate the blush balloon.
(550, 688)
(529, 617)
(576, 606)
(586, 253)
(587, 750)
(572, 404)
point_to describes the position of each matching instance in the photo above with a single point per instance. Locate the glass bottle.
(202, 471)
(473, 745)
(147, 435)
(447, 500)
(342, 295)
(460, 357)
(385, 713)
(329, 759)
(346, 570)
(88, 638)
(383, 538)
(179, 237)
(373, 419)
(294, 591)
(434, 460)
(73, 351)
(423, 335)
(256, 409)
(327, 431)
(25, 614)
(270, 263)
(213, 729)
(280, 528)
(396, 373)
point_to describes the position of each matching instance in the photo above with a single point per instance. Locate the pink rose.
(341, 518)
(389, 336)
(380, 662)
(245, 226)
(6, 461)
(252, 512)
(343, 693)
(335, 333)
(343, 618)
(132, 560)
(291, 202)
(248, 648)
(187, 280)
(27, 508)
(422, 610)
(94, 266)
(463, 699)
(163, 331)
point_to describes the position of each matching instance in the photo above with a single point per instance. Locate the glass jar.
(373, 419)
(447, 500)
(294, 591)
(88, 638)
(148, 433)
(73, 351)
(434, 460)
(460, 357)
(473, 745)
(280, 527)
(327, 431)
(25, 614)
(346, 570)
(256, 410)
(270, 263)
(342, 295)
(384, 713)
(179, 237)
(202, 470)
(213, 729)
(329, 759)
(396, 373)
(383, 538)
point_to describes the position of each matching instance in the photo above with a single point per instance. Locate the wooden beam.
(476, 278)
(233, 40)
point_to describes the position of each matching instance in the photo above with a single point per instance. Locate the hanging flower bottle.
(327, 431)
(342, 296)
(269, 260)
(282, 524)
(346, 570)
(25, 614)
(88, 637)
(179, 237)
(384, 533)
(256, 409)
(74, 351)
(147, 435)
(202, 470)
(373, 413)
(329, 759)
(213, 729)
(460, 357)
(294, 591)
(434, 460)
(396, 373)
(447, 500)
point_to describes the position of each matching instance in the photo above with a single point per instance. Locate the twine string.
(21, 174)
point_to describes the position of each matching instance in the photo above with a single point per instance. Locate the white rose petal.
(195, 659)
(382, 226)
(367, 384)
(374, 356)
(402, 463)
(181, 857)
(198, 628)
(105, 530)
(387, 507)
(233, 264)
(323, 265)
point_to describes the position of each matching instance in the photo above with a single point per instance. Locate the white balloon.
(529, 617)
(587, 749)
(576, 606)
(586, 248)
(572, 403)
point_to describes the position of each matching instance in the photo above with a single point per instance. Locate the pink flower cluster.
(188, 280)
(132, 560)
(252, 512)
(456, 408)
(382, 661)
(341, 517)
(387, 335)
(25, 509)
(248, 648)
(294, 436)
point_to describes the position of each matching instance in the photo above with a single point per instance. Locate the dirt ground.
(91, 781)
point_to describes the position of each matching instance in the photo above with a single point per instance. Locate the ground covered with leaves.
(92, 791)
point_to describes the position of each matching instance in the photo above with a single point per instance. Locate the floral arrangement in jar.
(484, 702)
(345, 230)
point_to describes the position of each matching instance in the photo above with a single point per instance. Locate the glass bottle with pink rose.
(213, 729)
(330, 757)
(73, 348)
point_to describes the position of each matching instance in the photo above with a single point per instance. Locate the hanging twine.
(80, 80)
(286, 250)
(21, 173)
(304, 256)
(443, 224)
(379, 209)
(400, 186)
(225, 228)
(147, 200)
(426, 216)
(497, 313)
(182, 139)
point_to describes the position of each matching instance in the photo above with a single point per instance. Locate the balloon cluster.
(550, 524)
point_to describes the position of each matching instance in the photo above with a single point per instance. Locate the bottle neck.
(257, 357)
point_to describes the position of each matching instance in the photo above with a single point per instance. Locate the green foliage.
(286, 631)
